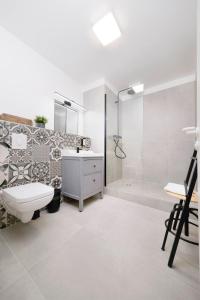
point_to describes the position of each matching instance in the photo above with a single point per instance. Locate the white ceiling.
(158, 42)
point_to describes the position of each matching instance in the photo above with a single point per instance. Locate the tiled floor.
(111, 251)
(143, 192)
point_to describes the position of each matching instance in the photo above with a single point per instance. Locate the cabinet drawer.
(92, 165)
(92, 184)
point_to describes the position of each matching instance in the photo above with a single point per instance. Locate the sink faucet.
(77, 149)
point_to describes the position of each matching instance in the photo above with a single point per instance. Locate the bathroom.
(89, 141)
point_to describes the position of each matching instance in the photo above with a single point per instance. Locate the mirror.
(72, 121)
(65, 119)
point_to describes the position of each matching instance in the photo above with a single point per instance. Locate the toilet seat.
(28, 192)
(21, 201)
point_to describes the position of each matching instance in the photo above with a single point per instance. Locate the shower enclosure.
(124, 121)
(126, 178)
(157, 151)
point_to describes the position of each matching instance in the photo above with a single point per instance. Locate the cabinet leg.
(101, 195)
(80, 205)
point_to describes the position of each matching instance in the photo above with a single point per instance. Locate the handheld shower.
(118, 147)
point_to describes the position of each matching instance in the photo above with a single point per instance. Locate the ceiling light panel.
(107, 29)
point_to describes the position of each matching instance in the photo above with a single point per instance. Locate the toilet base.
(36, 215)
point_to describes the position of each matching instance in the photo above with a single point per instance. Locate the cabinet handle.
(94, 166)
(94, 180)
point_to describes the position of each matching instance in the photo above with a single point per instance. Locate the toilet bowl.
(21, 201)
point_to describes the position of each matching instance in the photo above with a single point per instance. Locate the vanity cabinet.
(82, 177)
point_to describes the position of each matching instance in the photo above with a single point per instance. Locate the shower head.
(130, 91)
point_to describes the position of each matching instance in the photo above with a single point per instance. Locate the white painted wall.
(28, 80)
(94, 121)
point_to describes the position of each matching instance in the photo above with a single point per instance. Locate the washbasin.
(82, 153)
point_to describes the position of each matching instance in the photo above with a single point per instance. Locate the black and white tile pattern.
(55, 168)
(56, 182)
(40, 172)
(41, 136)
(5, 132)
(55, 153)
(20, 156)
(19, 174)
(17, 128)
(41, 161)
(4, 161)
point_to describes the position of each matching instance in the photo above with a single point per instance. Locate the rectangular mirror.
(65, 119)
(72, 121)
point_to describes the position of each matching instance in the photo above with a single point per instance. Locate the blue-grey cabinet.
(82, 177)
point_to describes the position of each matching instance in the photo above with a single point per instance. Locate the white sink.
(82, 153)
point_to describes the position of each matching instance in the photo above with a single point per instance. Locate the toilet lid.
(27, 192)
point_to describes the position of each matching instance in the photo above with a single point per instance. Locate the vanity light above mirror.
(63, 100)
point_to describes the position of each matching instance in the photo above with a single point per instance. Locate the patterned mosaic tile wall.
(41, 161)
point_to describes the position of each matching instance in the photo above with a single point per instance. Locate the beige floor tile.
(10, 268)
(109, 251)
(33, 241)
(82, 269)
(22, 289)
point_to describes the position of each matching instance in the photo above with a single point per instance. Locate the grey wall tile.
(40, 153)
(166, 149)
(179, 154)
(155, 124)
(155, 162)
(181, 108)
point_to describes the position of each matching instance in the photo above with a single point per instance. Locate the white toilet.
(21, 201)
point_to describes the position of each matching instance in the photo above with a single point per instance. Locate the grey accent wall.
(41, 161)
(166, 149)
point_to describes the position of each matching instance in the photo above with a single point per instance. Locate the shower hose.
(122, 154)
